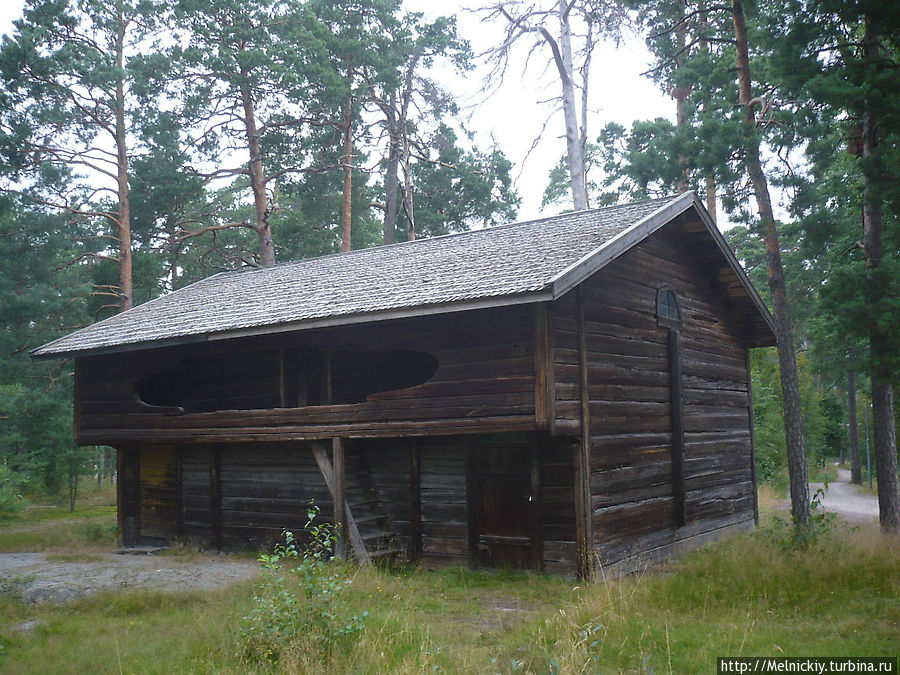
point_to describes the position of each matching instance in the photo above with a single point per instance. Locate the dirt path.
(34, 578)
(846, 500)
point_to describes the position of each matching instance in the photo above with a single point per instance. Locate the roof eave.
(616, 246)
(307, 324)
(627, 239)
(737, 267)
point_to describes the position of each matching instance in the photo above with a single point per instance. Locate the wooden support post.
(584, 522)
(179, 491)
(415, 493)
(537, 536)
(120, 494)
(473, 508)
(752, 441)
(215, 495)
(282, 380)
(677, 415)
(340, 501)
(352, 530)
(542, 357)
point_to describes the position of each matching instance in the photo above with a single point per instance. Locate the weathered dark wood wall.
(485, 381)
(632, 492)
(505, 407)
(241, 495)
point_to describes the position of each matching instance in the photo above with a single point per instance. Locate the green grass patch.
(92, 533)
(749, 595)
(90, 528)
(823, 474)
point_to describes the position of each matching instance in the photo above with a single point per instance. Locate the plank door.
(506, 509)
(159, 493)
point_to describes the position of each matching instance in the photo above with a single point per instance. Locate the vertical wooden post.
(677, 415)
(120, 495)
(537, 535)
(282, 380)
(76, 419)
(415, 492)
(215, 495)
(337, 462)
(752, 441)
(584, 525)
(541, 367)
(179, 491)
(473, 508)
(134, 471)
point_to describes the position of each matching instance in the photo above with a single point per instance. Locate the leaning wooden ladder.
(383, 538)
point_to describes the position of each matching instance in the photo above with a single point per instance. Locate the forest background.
(150, 143)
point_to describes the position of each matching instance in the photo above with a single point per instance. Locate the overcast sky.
(512, 117)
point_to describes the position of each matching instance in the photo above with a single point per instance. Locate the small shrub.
(315, 618)
(100, 533)
(11, 499)
(791, 536)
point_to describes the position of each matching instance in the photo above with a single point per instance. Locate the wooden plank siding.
(242, 495)
(485, 381)
(628, 382)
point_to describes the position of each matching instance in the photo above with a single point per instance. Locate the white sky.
(512, 116)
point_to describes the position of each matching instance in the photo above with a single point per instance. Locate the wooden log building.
(563, 394)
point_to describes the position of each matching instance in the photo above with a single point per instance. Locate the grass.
(48, 527)
(823, 474)
(748, 595)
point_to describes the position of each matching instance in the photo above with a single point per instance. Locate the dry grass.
(749, 595)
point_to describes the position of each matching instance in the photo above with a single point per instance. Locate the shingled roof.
(520, 262)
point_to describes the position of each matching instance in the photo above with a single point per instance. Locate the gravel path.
(846, 500)
(34, 578)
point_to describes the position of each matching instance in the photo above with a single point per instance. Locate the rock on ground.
(33, 578)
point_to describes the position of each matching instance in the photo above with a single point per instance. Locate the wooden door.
(158, 492)
(506, 508)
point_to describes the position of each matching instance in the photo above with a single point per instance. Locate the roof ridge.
(397, 244)
(516, 261)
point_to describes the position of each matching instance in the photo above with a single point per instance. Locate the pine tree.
(67, 77)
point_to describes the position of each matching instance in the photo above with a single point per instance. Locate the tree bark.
(884, 433)
(709, 178)
(257, 181)
(855, 466)
(790, 385)
(711, 196)
(573, 137)
(391, 179)
(123, 217)
(681, 93)
(408, 193)
(347, 163)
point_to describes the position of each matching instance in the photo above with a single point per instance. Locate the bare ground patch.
(39, 577)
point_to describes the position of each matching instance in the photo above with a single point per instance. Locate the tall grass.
(748, 595)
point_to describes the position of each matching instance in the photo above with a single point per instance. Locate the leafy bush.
(101, 533)
(316, 618)
(11, 499)
(790, 536)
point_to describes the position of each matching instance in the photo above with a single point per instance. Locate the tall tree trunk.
(790, 386)
(711, 196)
(391, 179)
(681, 93)
(855, 467)
(710, 178)
(574, 151)
(123, 218)
(884, 432)
(347, 163)
(408, 193)
(257, 180)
